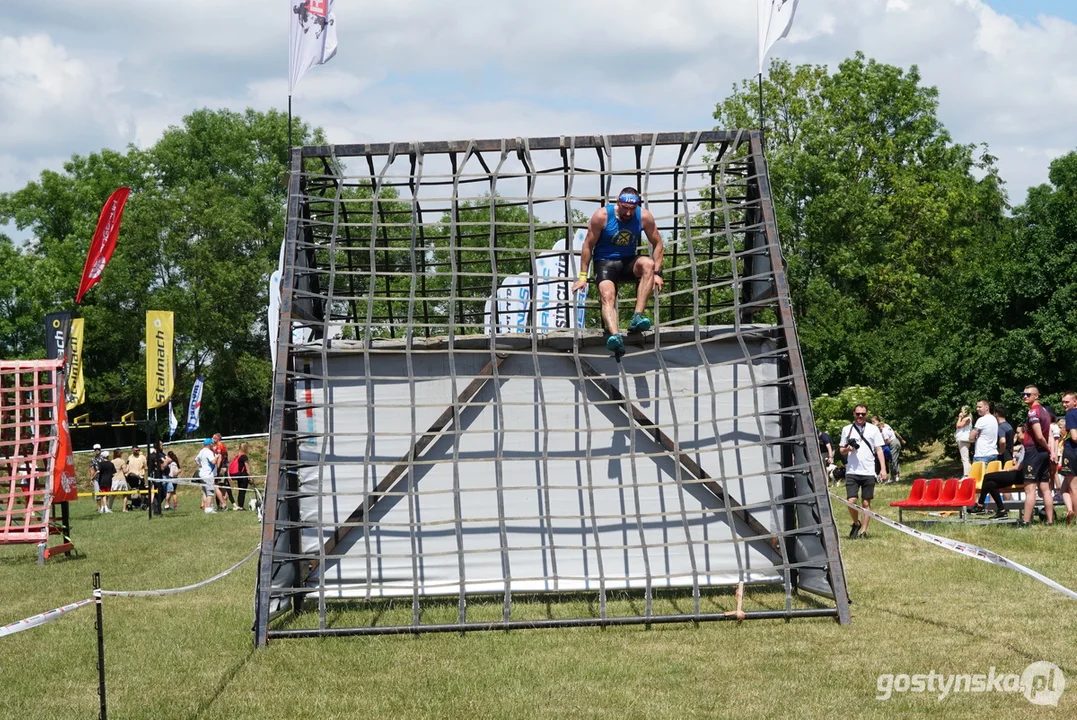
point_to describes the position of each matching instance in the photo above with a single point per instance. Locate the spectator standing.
(223, 483)
(171, 471)
(1005, 435)
(984, 435)
(105, 472)
(826, 451)
(892, 444)
(1037, 460)
(119, 481)
(1069, 457)
(154, 470)
(862, 445)
(240, 471)
(95, 473)
(962, 435)
(207, 475)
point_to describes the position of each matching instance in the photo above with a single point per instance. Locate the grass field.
(916, 609)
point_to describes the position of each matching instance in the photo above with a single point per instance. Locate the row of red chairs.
(935, 493)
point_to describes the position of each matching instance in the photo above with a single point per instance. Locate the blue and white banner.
(173, 423)
(555, 271)
(194, 410)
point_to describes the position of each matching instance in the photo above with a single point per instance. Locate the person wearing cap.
(95, 473)
(207, 474)
(613, 237)
(106, 471)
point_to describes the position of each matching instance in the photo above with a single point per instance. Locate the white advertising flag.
(775, 19)
(313, 37)
(194, 410)
(173, 423)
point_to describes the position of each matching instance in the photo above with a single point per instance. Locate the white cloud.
(419, 69)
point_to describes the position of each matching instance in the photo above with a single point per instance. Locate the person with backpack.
(239, 470)
(862, 445)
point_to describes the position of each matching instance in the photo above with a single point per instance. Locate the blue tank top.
(619, 239)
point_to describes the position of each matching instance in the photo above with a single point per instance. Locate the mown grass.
(916, 608)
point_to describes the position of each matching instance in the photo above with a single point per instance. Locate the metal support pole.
(100, 646)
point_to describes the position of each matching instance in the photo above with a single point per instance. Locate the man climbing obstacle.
(613, 237)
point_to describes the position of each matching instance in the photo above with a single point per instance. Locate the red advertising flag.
(104, 241)
(63, 470)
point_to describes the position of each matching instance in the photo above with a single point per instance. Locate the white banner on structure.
(553, 305)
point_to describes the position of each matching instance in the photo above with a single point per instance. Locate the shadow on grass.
(395, 612)
(222, 684)
(971, 632)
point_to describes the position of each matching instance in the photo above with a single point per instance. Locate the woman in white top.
(962, 435)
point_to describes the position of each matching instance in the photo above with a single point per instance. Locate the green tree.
(200, 237)
(876, 206)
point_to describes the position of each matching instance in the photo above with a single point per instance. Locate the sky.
(77, 76)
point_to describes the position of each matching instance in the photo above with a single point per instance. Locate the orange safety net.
(30, 396)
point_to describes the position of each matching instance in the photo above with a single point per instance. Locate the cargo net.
(453, 444)
(28, 440)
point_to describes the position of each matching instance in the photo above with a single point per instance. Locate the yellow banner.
(159, 341)
(76, 389)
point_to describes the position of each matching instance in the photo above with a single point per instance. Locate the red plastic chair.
(916, 494)
(931, 495)
(949, 492)
(966, 493)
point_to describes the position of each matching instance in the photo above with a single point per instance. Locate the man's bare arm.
(650, 229)
(594, 231)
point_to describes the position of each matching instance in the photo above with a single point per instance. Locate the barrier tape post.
(100, 646)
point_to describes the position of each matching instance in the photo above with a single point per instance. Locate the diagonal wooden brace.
(652, 429)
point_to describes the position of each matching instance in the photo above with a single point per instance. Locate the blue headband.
(629, 199)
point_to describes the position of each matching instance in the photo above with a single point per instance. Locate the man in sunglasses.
(1037, 460)
(862, 445)
(613, 237)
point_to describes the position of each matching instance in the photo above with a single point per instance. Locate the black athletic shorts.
(618, 271)
(862, 485)
(1035, 465)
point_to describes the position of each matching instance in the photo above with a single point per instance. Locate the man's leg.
(865, 519)
(1030, 502)
(643, 269)
(1048, 494)
(607, 291)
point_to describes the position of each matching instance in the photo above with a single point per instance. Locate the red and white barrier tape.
(45, 617)
(963, 548)
(185, 588)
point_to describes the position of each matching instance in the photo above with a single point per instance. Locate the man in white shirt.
(207, 473)
(862, 445)
(984, 435)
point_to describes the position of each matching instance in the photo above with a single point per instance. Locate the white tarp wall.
(515, 498)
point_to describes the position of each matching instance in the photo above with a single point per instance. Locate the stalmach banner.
(194, 410)
(57, 332)
(76, 389)
(104, 241)
(159, 340)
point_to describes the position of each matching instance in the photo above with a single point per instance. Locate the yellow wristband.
(583, 275)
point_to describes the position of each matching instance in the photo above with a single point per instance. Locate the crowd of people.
(1038, 457)
(161, 471)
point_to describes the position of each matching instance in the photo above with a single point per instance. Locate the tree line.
(910, 272)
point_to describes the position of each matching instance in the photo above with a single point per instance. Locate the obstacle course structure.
(446, 438)
(36, 469)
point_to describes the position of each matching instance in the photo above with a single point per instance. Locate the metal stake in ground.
(100, 646)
